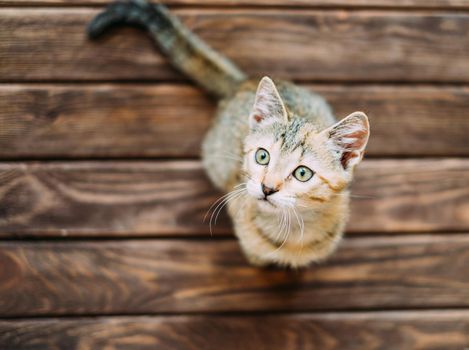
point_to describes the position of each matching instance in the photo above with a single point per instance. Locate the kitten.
(275, 148)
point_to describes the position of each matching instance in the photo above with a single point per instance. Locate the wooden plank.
(106, 120)
(326, 331)
(449, 4)
(172, 198)
(102, 121)
(179, 276)
(371, 45)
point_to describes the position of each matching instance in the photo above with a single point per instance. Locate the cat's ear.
(349, 138)
(268, 105)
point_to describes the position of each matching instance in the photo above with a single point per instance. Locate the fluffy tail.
(215, 73)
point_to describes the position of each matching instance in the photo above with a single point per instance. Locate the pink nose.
(268, 190)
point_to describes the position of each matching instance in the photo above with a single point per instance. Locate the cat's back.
(304, 103)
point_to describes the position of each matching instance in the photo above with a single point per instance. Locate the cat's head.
(289, 163)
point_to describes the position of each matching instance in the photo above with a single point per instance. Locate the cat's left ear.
(349, 138)
(268, 105)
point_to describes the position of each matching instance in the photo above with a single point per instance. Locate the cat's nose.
(268, 190)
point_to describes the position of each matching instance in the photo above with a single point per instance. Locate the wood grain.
(429, 330)
(180, 276)
(109, 120)
(102, 121)
(449, 4)
(172, 198)
(50, 44)
(170, 280)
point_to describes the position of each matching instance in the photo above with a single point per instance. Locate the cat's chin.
(266, 206)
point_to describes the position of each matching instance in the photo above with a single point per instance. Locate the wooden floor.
(102, 194)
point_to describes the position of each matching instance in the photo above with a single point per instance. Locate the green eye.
(303, 173)
(262, 156)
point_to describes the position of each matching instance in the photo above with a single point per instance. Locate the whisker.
(245, 174)
(302, 228)
(356, 195)
(236, 196)
(228, 157)
(363, 196)
(225, 197)
(242, 206)
(229, 154)
(302, 206)
(221, 204)
(214, 203)
(282, 225)
(287, 233)
(241, 184)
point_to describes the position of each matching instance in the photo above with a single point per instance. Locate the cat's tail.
(215, 73)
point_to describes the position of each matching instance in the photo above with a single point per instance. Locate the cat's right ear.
(268, 105)
(349, 137)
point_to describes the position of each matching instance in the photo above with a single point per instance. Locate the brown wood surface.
(417, 330)
(283, 3)
(102, 121)
(172, 198)
(62, 96)
(370, 45)
(108, 120)
(161, 276)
